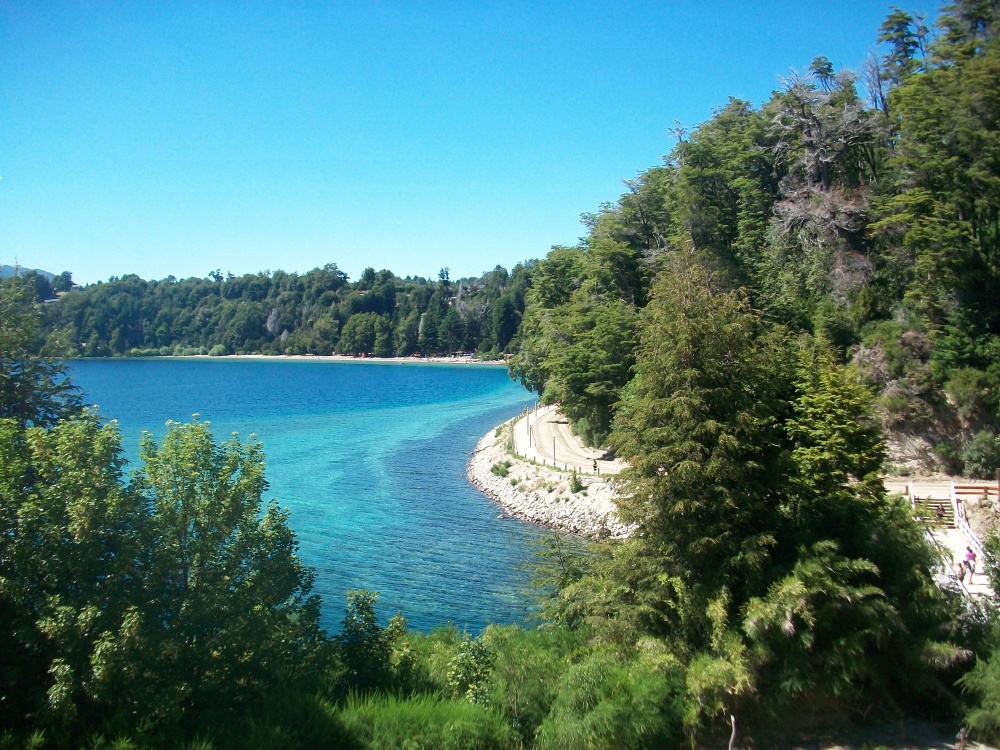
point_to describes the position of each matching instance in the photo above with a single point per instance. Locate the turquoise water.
(370, 460)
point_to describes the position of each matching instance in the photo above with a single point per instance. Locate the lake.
(369, 457)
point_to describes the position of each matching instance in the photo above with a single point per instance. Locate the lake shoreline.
(369, 462)
(542, 495)
(314, 358)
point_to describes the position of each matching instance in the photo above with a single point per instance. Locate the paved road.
(544, 435)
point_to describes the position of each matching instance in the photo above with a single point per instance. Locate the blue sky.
(176, 138)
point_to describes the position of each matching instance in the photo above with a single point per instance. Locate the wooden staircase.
(935, 512)
(940, 506)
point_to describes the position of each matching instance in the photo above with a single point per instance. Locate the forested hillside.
(320, 312)
(861, 209)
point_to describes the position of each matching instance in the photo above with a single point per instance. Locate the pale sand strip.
(542, 495)
(349, 358)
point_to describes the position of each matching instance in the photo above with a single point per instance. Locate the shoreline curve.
(542, 495)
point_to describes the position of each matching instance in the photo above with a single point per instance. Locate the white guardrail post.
(962, 522)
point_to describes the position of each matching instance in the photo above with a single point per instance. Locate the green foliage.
(283, 313)
(981, 457)
(699, 424)
(720, 675)
(33, 390)
(69, 543)
(425, 722)
(838, 449)
(469, 669)
(768, 556)
(233, 613)
(818, 624)
(294, 721)
(179, 590)
(365, 646)
(603, 702)
(975, 394)
(556, 566)
(983, 684)
(358, 335)
(578, 334)
(525, 666)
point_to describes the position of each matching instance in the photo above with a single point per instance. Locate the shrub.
(469, 670)
(501, 468)
(365, 645)
(605, 703)
(525, 670)
(981, 457)
(973, 393)
(291, 721)
(426, 722)
(219, 350)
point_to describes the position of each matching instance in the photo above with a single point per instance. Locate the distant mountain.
(7, 271)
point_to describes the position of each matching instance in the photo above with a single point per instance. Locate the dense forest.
(742, 325)
(861, 211)
(319, 312)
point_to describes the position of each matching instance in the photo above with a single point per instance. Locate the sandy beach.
(349, 358)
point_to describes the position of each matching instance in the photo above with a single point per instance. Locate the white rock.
(593, 515)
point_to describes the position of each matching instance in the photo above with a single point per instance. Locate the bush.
(469, 669)
(983, 684)
(291, 721)
(948, 458)
(365, 646)
(605, 703)
(501, 468)
(219, 350)
(150, 352)
(526, 665)
(886, 336)
(981, 457)
(433, 654)
(973, 393)
(189, 351)
(426, 722)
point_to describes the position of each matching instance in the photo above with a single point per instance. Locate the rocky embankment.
(542, 495)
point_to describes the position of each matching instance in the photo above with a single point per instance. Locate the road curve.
(544, 435)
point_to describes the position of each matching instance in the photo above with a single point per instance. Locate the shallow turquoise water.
(370, 460)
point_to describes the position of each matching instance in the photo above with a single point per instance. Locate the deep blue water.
(370, 460)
